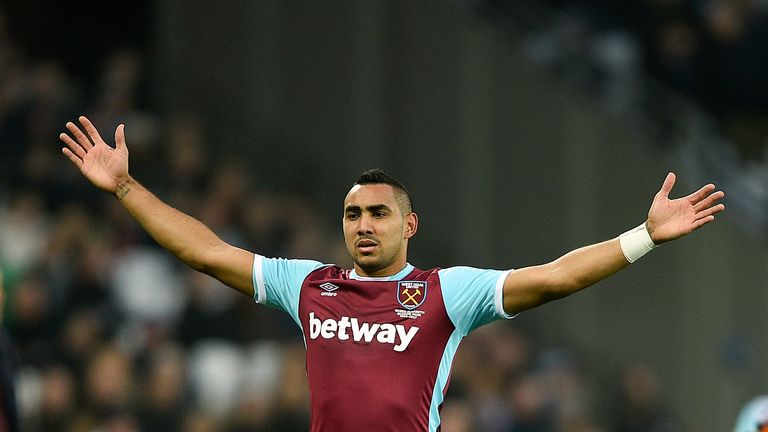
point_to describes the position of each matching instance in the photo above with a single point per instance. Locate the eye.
(352, 216)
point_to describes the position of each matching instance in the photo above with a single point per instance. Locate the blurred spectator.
(214, 372)
(199, 422)
(80, 339)
(24, 229)
(187, 158)
(88, 263)
(163, 391)
(32, 325)
(256, 407)
(208, 312)
(8, 414)
(58, 400)
(568, 393)
(291, 409)
(640, 407)
(146, 287)
(457, 416)
(109, 397)
(673, 53)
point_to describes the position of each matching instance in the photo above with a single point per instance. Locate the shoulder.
(469, 273)
(327, 271)
(464, 280)
(283, 269)
(420, 274)
(288, 263)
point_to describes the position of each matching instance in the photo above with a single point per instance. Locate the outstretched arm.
(668, 219)
(185, 237)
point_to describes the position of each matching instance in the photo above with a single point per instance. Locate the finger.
(708, 201)
(120, 137)
(711, 211)
(72, 157)
(700, 194)
(74, 147)
(666, 187)
(90, 129)
(701, 222)
(79, 136)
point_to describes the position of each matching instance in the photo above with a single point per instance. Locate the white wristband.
(636, 243)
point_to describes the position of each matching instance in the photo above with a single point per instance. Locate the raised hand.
(669, 219)
(101, 164)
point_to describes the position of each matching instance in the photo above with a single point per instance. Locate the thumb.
(666, 187)
(120, 137)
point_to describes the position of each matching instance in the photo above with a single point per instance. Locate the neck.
(390, 270)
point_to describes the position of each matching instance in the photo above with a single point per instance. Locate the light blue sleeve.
(277, 282)
(755, 413)
(473, 296)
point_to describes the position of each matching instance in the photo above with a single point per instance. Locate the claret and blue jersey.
(379, 350)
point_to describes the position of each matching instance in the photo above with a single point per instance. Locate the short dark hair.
(378, 176)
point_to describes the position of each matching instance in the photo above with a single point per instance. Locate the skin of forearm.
(533, 286)
(182, 235)
(586, 266)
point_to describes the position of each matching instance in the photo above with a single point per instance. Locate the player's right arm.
(182, 235)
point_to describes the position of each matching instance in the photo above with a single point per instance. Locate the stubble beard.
(376, 264)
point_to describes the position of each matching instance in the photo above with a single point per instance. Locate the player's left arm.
(668, 219)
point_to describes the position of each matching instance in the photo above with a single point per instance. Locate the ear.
(411, 225)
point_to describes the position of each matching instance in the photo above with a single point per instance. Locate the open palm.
(101, 164)
(669, 219)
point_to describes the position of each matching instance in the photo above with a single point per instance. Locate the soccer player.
(380, 337)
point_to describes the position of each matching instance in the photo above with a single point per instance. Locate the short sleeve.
(472, 296)
(753, 414)
(277, 282)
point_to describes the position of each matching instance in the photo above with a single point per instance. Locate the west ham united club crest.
(411, 294)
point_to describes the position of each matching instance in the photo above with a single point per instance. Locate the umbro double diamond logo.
(329, 289)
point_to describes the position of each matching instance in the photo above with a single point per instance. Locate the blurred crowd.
(689, 75)
(711, 52)
(109, 333)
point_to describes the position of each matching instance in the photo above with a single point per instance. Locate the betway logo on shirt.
(350, 328)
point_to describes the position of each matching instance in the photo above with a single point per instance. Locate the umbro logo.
(329, 289)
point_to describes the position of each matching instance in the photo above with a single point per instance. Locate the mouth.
(366, 246)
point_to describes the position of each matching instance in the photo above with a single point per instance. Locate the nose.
(364, 226)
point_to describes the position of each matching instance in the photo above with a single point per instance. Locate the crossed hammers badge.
(411, 294)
